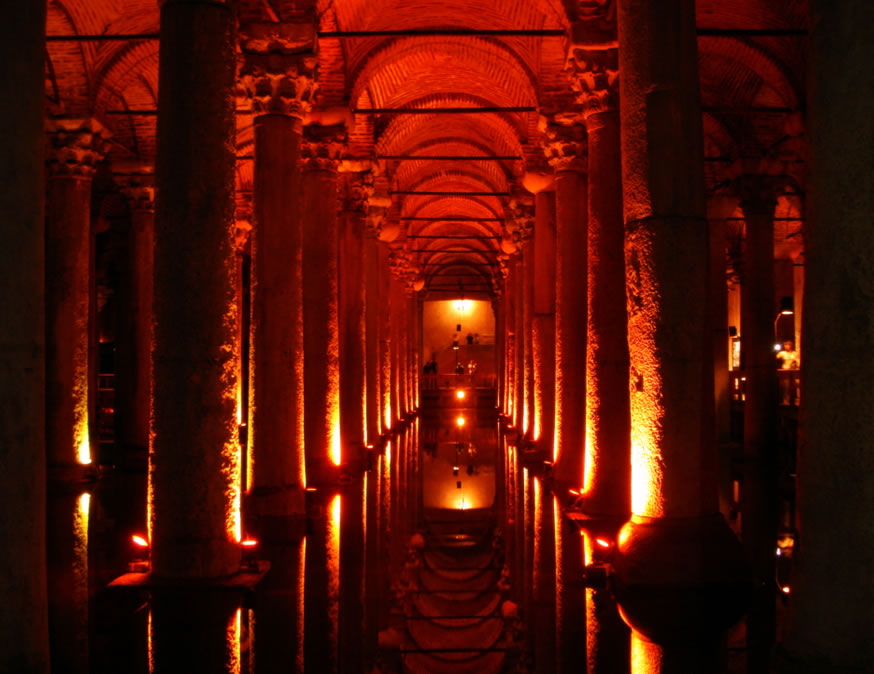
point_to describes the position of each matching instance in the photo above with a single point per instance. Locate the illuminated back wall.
(440, 319)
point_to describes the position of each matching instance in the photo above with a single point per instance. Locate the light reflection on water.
(333, 585)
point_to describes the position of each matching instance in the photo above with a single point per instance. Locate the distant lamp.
(460, 421)
(787, 307)
(140, 561)
(460, 394)
(249, 562)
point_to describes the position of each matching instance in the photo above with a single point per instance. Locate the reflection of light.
(149, 639)
(785, 589)
(333, 564)
(301, 587)
(460, 421)
(140, 541)
(459, 394)
(461, 504)
(85, 504)
(235, 630)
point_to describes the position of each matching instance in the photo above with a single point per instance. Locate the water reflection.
(399, 568)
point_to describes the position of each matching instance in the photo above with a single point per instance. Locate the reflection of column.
(133, 397)
(759, 496)
(75, 147)
(565, 150)
(543, 323)
(352, 562)
(23, 620)
(322, 590)
(606, 636)
(676, 544)
(321, 373)
(543, 579)
(279, 88)
(194, 356)
(280, 608)
(607, 476)
(353, 354)
(833, 594)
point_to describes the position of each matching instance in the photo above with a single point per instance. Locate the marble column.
(832, 600)
(321, 370)
(543, 322)
(519, 351)
(279, 89)
(353, 354)
(134, 396)
(75, 147)
(194, 530)
(24, 620)
(607, 474)
(385, 341)
(371, 308)
(565, 149)
(759, 492)
(677, 546)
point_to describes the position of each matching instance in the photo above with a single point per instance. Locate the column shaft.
(353, 354)
(527, 320)
(24, 621)
(607, 481)
(570, 326)
(194, 356)
(320, 323)
(833, 594)
(372, 312)
(543, 323)
(276, 443)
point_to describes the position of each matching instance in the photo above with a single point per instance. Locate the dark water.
(448, 556)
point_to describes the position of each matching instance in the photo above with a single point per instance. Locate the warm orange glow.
(575, 492)
(234, 632)
(83, 452)
(333, 564)
(140, 541)
(785, 589)
(249, 543)
(336, 452)
(463, 306)
(603, 543)
(646, 467)
(387, 456)
(460, 394)
(624, 535)
(460, 421)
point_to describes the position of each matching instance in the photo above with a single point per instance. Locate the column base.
(275, 514)
(680, 578)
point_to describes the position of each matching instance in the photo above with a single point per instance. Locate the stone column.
(321, 370)
(523, 216)
(371, 308)
(134, 396)
(676, 544)
(413, 347)
(385, 341)
(278, 85)
(75, 147)
(519, 351)
(607, 474)
(759, 494)
(24, 620)
(353, 354)
(566, 151)
(194, 495)
(833, 594)
(543, 322)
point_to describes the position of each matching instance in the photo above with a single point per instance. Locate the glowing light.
(311, 489)
(139, 541)
(460, 394)
(785, 589)
(461, 504)
(460, 421)
(777, 347)
(336, 455)
(237, 515)
(249, 543)
(602, 542)
(575, 492)
(463, 306)
(779, 552)
(83, 452)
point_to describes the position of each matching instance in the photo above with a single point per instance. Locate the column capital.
(594, 76)
(75, 146)
(592, 22)
(520, 224)
(136, 181)
(322, 147)
(565, 146)
(359, 189)
(277, 68)
(757, 183)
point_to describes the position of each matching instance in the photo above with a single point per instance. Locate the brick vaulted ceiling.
(752, 93)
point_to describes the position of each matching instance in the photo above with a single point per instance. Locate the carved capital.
(520, 224)
(136, 180)
(322, 147)
(75, 146)
(592, 21)
(565, 147)
(276, 70)
(758, 183)
(359, 189)
(594, 76)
